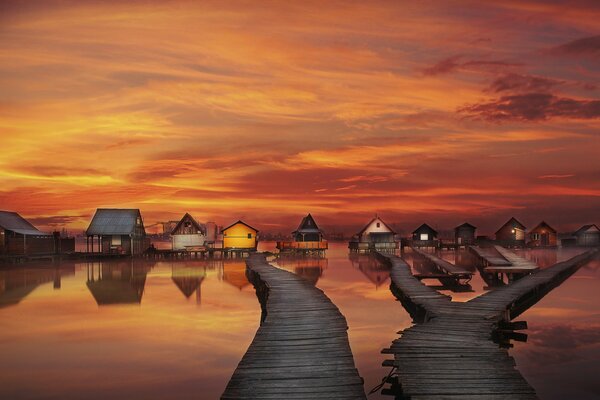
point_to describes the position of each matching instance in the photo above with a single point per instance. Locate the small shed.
(543, 235)
(464, 234)
(18, 237)
(512, 233)
(587, 235)
(424, 233)
(376, 235)
(117, 231)
(239, 235)
(308, 231)
(187, 233)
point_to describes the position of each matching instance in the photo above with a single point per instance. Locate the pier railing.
(322, 245)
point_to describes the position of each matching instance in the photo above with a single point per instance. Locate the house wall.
(32, 245)
(588, 239)
(464, 235)
(536, 238)
(2, 241)
(505, 234)
(308, 237)
(373, 228)
(180, 241)
(237, 237)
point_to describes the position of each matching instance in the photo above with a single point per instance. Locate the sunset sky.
(435, 112)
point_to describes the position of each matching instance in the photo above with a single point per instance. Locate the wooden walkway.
(450, 355)
(518, 264)
(448, 269)
(301, 349)
(489, 257)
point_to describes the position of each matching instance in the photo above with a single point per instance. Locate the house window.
(378, 225)
(424, 236)
(115, 241)
(249, 236)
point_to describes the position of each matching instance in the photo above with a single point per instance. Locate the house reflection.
(375, 271)
(308, 268)
(18, 283)
(542, 257)
(188, 279)
(117, 282)
(234, 273)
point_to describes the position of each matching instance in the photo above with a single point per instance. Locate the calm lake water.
(156, 330)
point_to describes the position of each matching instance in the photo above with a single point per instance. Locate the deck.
(301, 348)
(448, 269)
(450, 354)
(518, 264)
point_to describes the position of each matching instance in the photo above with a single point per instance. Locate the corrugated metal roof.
(113, 221)
(12, 221)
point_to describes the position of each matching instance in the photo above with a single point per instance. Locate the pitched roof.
(585, 228)
(114, 221)
(425, 227)
(12, 221)
(543, 225)
(308, 225)
(376, 218)
(239, 222)
(514, 223)
(192, 220)
(466, 225)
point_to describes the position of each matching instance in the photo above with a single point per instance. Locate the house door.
(545, 239)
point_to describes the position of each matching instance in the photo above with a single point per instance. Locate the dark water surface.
(155, 330)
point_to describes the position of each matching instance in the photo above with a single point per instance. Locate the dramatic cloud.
(522, 83)
(533, 107)
(588, 46)
(453, 63)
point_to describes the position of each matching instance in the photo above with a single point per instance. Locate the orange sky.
(266, 111)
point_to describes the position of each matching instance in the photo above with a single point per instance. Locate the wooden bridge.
(301, 349)
(449, 273)
(450, 354)
(498, 261)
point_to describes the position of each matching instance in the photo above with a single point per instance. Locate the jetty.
(449, 353)
(301, 348)
(498, 261)
(450, 274)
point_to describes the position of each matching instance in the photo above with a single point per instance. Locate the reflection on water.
(59, 338)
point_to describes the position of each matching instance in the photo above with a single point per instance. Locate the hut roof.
(586, 228)
(513, 222)
(192, 220)
(114, 221)
(376, 218)
(239, 222)
(466, 225)
(543, 225)
(12, 221)
(425, 228)
(308, 225)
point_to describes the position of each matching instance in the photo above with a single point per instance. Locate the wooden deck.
(518, 264)
(449, 269)
(450, 354)
(301, 349)
(488, 257)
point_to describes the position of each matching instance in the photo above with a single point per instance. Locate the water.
(123, 329)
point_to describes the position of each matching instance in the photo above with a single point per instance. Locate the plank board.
(450, 354)
(301, 348)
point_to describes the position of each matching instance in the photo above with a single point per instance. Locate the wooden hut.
(240, 236)
(511, 234)
(117, 231)
(375, 236)
(587, 235)
(188, 233)
(18, 237)
(464, 234)
(424, 236)
(543, 235)
(307, 238)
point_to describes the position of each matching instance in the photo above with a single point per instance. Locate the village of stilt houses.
(461, 291)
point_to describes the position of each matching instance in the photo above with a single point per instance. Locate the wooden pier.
(498, 261)
(450, 273)
(301, 348)
(450, 354)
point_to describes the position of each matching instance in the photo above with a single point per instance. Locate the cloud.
(587, 46)
(532, 107)
(522, 83)
(453, 63)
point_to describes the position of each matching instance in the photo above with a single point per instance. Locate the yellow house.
(239, 235)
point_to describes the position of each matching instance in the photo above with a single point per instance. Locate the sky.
(433, 111)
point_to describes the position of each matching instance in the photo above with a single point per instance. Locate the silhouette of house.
(187, 233)
(512, 233)
(543, 235)
(19, 237)
(424, 235)
(117, 231)
(375, 236)
(587, 235)
(308, 237)
(464, 234)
